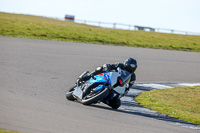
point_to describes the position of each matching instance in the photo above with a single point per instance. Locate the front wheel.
(94, 98)
(69, 95)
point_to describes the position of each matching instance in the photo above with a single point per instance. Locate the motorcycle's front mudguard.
(69, 95)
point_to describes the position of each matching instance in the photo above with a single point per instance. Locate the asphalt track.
(34, 75)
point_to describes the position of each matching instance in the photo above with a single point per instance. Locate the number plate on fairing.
(120, 90)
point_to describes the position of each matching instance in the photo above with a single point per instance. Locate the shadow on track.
(164, 118)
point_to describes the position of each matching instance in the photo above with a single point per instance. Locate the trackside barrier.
(134, 27)
(131, 27)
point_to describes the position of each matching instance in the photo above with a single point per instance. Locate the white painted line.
(189, 84)
(155, 86)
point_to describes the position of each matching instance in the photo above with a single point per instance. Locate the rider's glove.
(106, 67)
(92, 75)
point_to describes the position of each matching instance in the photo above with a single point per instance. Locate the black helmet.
(130, 65)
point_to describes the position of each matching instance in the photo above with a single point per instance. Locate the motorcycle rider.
(129, 65)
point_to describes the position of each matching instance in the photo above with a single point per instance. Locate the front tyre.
(94, 98)
(69, 95)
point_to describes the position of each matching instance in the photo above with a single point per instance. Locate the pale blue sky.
(170, 14)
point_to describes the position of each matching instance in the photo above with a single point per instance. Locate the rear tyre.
(89, 99)
(69, 95)
(115, 103)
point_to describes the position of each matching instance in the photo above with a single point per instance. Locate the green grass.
(179, 102)
(7, 131)
(26, 26)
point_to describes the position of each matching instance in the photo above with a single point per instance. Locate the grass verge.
(26, 26)
(7, 131)
(179, 102)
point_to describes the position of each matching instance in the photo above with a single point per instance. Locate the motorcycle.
(107, 87)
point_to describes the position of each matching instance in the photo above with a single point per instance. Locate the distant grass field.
(179, 102)
(26, 26)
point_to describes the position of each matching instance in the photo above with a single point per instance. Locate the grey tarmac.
(34, 75)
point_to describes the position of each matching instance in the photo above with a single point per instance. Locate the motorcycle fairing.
(101, 78)
(108, 77)
(112, 79)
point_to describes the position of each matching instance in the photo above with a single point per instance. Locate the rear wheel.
(95, 97)
(69, 95)
(115, 103)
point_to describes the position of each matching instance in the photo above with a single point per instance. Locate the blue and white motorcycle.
(106, 87)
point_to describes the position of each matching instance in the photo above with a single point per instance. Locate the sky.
(183, 15)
